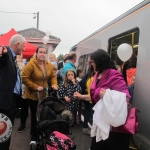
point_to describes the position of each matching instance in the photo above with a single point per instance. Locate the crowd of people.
(75, 87)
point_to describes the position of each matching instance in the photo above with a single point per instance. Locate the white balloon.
(124, 51)
(48, 33)
(45, 39)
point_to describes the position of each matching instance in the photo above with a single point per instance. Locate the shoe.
(76, 123)
(33, 142)
(80, 121)
(33, 145)
(86, 131)
(21, 128)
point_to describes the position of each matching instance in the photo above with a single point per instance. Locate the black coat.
(8, 78)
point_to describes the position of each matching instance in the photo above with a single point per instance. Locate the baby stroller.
(52, 117)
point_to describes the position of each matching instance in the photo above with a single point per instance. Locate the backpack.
(59, 141)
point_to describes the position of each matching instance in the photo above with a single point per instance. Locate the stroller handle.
(38, 93)
(49, 92)
(52, 92)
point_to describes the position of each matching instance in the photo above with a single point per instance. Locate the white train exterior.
(133, 27)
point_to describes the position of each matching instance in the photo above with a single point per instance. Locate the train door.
(130, 37)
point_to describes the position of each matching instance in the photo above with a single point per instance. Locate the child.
(52, 58)
(18, 100)
(58, 75)
(67, 90)
(80, 74)
(20, 63)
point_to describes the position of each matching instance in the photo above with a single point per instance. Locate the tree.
(60, 57)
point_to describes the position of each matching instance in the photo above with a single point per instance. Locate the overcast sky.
(69, 20)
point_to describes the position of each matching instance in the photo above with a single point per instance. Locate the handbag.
(59, 141)
(131, 125)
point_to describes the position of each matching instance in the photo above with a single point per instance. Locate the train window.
(84, 62)
(131, 37)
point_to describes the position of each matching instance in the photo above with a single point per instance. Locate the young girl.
(20, 63)
(67, 90)
(80, 74)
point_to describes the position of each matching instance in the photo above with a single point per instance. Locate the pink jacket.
(111, 79)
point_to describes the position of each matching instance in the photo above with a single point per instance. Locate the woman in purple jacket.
(107, 77)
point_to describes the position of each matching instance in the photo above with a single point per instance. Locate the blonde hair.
(66, 79)
(52, 54)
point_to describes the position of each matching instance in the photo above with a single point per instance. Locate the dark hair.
(72, 55)
(66, 79)
(132, 62)
(102, 60)
(40, 47)
(91, 70)
(136, 52)
(79, 70)
(66, 58)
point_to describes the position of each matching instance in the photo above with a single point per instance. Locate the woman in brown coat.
(36, 75)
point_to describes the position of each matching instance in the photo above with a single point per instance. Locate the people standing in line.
(23, 111)
(24, 105)
(18, 102)
(126, 65)
(35, 76)
(66, 91)
(10, 81)
(85, 84)
(131, 89)
(52, 58)
(70, 65)
(107, 77)
(20, 63)
(131, 71)
(59, 74)
(80, 74)
(61, 63)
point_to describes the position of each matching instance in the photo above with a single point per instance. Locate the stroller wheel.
(33, 146)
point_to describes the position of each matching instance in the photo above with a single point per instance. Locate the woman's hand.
(40, 88)
(101, 93)
(67, 99)
(77, 95)
(55, 87)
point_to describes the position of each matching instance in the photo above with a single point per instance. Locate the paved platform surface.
(20, 141)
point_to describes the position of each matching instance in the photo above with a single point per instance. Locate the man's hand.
(101, 93)
(55, 87)
(67, 99)
(3, 50)
(40, 88)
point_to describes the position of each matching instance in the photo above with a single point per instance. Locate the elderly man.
(70, 65)
(10, 86)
